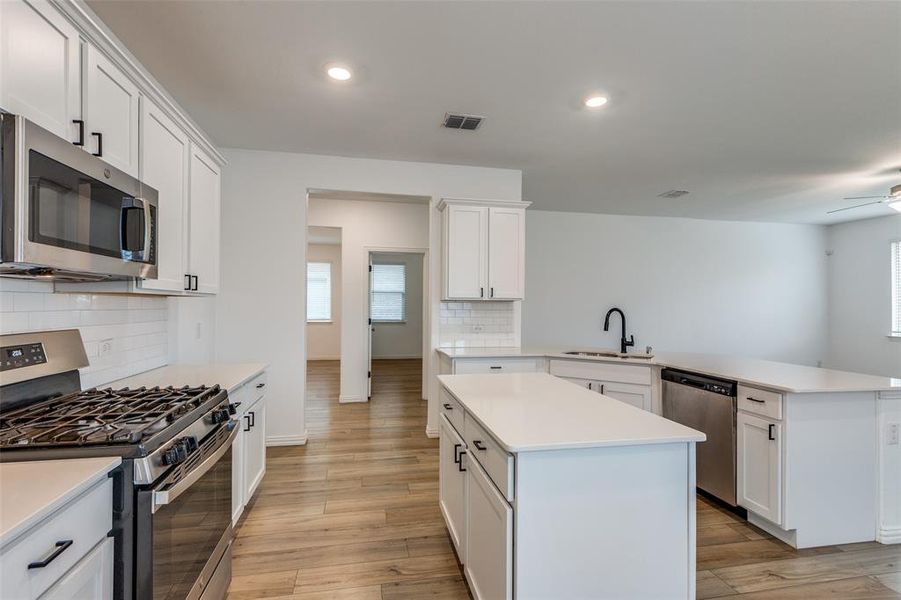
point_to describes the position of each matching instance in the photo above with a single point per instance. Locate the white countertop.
(30, 491)
(783, 377)
(227, 376)
(536, 411)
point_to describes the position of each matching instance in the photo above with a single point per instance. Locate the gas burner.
(100, 416)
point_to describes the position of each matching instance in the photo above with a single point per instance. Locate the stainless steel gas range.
(172, 492)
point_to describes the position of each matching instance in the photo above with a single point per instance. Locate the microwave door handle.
(148, 229)
(164, 497)
(128, 204)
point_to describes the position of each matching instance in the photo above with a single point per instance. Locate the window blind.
(388, 295)
(896, 287)
(319, 291)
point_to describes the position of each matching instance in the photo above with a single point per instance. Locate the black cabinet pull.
(460, 466)
(496, 368)
(492, 292)
(589, 385)
(261, 385)
(481, 292)
(447, 406)
(99, 137)
(456, 450)
(755, 400)
(253, 418)
(80, 124)
(246, 423)
(772, 429)
(196, 282)
(187, 282)
(60, 547)
(478, 444)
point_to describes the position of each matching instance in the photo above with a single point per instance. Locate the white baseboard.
(431, 433)
(286, 440)
(324, 357)
(889, 535)
(349, 399)
(397, 356)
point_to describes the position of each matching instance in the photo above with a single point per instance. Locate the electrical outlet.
(106, 348)
(894, 431)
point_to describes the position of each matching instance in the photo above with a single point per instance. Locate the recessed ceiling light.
(339, 73)
(595, 101)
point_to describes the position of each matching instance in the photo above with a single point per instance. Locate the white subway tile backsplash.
(137, 326)
(477, 324)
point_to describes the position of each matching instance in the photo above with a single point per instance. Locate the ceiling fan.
(893, 200)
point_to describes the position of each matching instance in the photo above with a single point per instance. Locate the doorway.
(396, 333)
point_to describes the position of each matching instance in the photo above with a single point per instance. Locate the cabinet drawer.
(760, 402)
(249, 393)
(452, 409)
(494, 459)
(84, 522)
(601, 371)
(499, 365)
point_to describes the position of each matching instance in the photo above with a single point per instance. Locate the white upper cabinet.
(466, 252)
(484, 250)
(204, 217)
(506, 253)
(40, 66)
(111, 113)
(165, 153)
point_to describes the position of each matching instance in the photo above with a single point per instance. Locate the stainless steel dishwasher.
(707, 404)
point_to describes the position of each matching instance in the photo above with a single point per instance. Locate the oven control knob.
(176, 454)
(190, 444)
(220, 415)
(232, 409)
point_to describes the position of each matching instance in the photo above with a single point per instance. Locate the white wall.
(192, 329)
(136, 326)
(261, 304)
(751, 289)
(365, 226)
(860, 297)
(402, 340)
(324, 339)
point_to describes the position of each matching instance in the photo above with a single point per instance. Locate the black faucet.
(623, 342)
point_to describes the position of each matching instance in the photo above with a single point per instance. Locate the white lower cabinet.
(90, 579)
(452, 485)
(760, 466)
(638, 396)
(489, 537)
(249, 448)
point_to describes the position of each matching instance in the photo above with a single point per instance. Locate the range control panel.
(16, 357)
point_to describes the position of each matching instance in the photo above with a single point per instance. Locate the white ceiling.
(763, 110)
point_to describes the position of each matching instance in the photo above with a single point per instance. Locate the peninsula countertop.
(783, 377)
(228, 376)
(536, 411)
(31, 491)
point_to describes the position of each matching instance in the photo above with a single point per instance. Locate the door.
(638, 396)
(452, 485)
(90, 579)
(254, 448)
(506, 253)
(466, 252)
(370, 330)
(713, 414)
(203, 198)
(40, 66)
(165, 151)
(489, 537)
(760, 466)
(111, 113)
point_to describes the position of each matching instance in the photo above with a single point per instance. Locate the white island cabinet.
(567, 494)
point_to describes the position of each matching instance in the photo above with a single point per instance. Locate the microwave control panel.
(16, 357)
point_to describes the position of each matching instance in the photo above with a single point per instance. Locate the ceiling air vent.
(672, 194)
(458, 121)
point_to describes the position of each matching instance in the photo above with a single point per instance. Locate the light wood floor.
(353, 515)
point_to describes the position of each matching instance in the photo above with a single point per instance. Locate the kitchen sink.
(607, 354)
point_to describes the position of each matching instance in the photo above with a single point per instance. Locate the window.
(896, 288)
(388, 295)
(319, 291)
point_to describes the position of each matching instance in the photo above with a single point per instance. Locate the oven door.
(184, 524)
(73, 212)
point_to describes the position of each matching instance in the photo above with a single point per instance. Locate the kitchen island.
(552, 491)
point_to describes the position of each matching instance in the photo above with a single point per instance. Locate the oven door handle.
(164, 497)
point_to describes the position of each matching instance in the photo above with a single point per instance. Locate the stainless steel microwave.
(67, 215)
